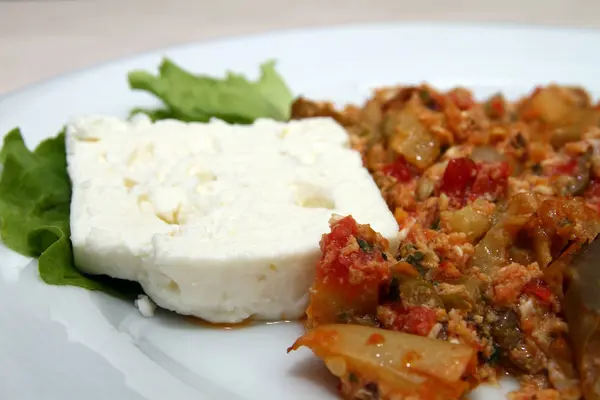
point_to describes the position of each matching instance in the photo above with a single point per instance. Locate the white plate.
(61, 343)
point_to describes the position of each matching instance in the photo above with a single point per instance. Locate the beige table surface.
(40, 39)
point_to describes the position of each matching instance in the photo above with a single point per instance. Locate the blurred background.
(40, 39)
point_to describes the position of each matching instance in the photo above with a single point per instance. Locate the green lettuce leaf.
(234, 99)
(154, 114)
(35, 196)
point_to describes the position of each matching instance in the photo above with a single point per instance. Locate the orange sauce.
(410, 357)
(376, 339)
(226, 326)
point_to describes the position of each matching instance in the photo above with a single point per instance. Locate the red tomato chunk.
(457, 178)
(399, 169)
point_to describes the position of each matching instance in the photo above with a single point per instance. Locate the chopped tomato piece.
(340, 232)
(463, 179)
(568, 168)
(446, 271)
(491, 180)
(417, 320)
(539, 289)
(457, 179)
(399, 169)
(497, 107)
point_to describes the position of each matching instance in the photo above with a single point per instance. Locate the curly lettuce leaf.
(35, 196)
(234, 99)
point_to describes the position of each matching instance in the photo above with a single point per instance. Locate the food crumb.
(145, 306)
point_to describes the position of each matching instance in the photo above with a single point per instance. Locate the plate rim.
(316, 29)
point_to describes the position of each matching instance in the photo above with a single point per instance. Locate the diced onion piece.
(552, 104)
(473, 220)
(487, 154)
(425, 188)
(400, 364)
(491, 251)
(411, 139)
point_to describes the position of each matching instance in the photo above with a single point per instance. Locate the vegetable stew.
(490, 198)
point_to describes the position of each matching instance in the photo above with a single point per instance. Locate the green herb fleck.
(364, 245)
(436, 224)
(421, 269)
(565, 221)
(415, 258)
(495, 356)
(424, 95)
(353, 378)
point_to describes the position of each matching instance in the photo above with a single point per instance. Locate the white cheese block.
(218, 221)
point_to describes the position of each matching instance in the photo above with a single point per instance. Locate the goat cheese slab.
(217, 221)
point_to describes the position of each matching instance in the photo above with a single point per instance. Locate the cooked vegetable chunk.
(392, 364)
